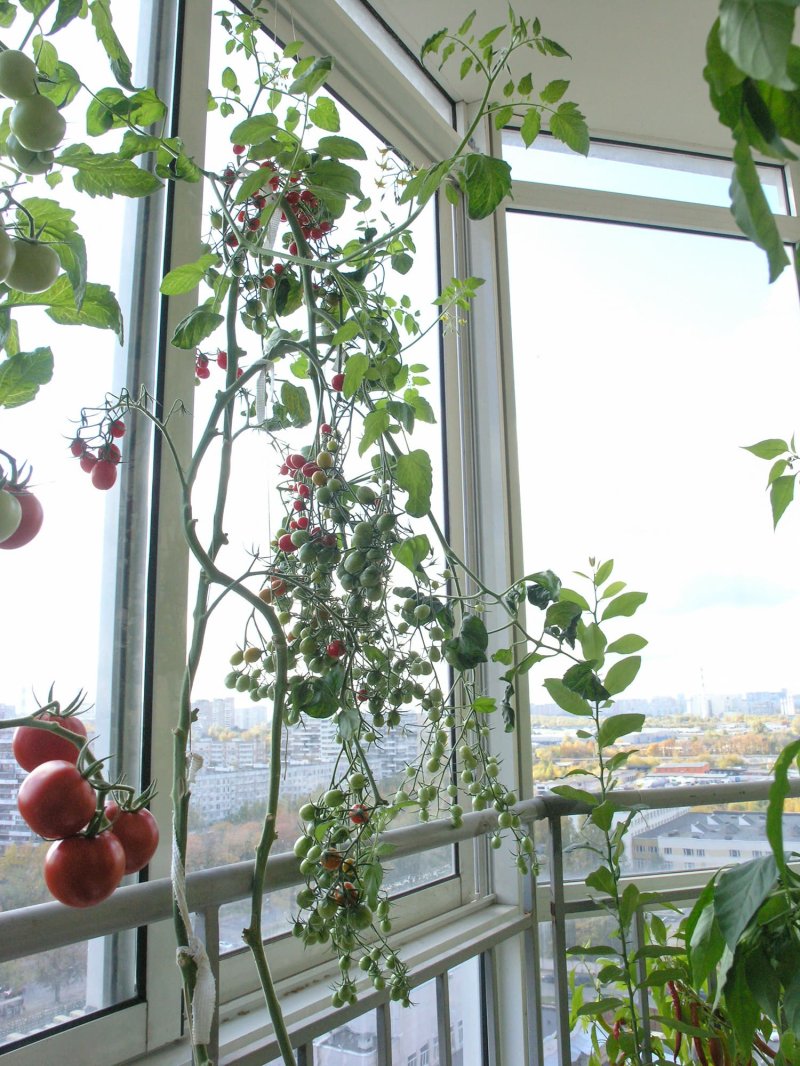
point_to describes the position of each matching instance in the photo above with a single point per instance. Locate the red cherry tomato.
(104, 474)
(31, 521)
(337, 382)
(137, 831)
(55, 800)
(82, 871)
(33, 746)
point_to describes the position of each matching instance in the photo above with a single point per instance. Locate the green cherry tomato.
(37, 123)
(35, 267)
(8, 251)
(10, 514)
(27, 161)
(17, 75)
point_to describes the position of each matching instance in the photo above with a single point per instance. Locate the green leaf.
(313, 78)
(571, 596)
(756, 34)
(603, 816)
(603, 573)
(577, 795)
(593, 642)
(402, 262)
(295, 399)
(489, 38)
(332, 182)
(99, 307)
(325, 115)
(422, 409)
(781, 494)
(624, 606)
(553, 48)
(195, 327)
(763, 983)
(751, 210)
(187, 277)
(341, 148)
(412, 551)
(631, 642)
(22, 374)
(619, 725)
(553, 91)
(566, 699)
(375, 425)
(583, 679)
(622, 674)
(484, 705)
(742, 1006)
(779, 790)
(531, 125)
(545, 586)
(414, 475)
(67, 10)
(613, 589)
(561, 614)
(100, 11)
(468, 649)
(137, 144)
(599, 1006)
(739, 893)
(112, 109)
(776, 470)
(355, 369)
(486, 182)
(465, 26)
(46, 56)
(569, 126)
(107, 174)
(255, 129)
(432, 43)
(348, 331)
(64, 87)
(601, 879)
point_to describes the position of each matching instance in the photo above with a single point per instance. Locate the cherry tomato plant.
(355, 609)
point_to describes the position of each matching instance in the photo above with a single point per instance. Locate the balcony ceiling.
(636, 69)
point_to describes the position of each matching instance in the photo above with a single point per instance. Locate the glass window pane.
(640, 171)
(680, 355)
(466, 1013)
(232, 733)
(67, 628)
(352, 1044)
(415, 1029)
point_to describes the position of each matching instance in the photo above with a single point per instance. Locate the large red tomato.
(82, 871)
(55, 800)
(137, 831)
(33, 746)
(31, 521)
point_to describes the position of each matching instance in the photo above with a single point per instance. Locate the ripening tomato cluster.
(202, 367)
(101, 463)
(94, 843)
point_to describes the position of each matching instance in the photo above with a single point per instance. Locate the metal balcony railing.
(51, 925)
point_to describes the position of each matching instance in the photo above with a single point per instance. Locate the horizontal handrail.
(24, 931)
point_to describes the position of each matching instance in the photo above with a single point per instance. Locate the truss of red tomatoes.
(96, 448)
(99, 831)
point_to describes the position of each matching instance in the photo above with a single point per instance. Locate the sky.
(644, 361)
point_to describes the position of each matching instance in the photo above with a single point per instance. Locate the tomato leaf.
(67, 10)
(375, 425)
(619, 725)
(486, 182)
(325, 115)
(313, 78)
(22, 374)
(569, 125)
(414, 475)
(106, 174)
(195, 327)
(340, 148)
(412, 551)
(187, 277)
(99, 307)
(468, 649)
(100, 10)
(254, 129)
